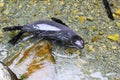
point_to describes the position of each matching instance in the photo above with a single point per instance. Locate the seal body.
(54, 30)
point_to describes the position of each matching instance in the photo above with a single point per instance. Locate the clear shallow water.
(99, 59)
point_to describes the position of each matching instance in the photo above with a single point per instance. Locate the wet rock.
(35, 63)
(96, 38)
(6, 73)
(90, 48)
(100, 33)
(93, 28)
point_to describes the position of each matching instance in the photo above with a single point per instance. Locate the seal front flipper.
(58, 21)
(16, 38)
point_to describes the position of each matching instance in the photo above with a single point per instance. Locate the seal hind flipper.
(12, 28)
(16, 38)
(58, 21)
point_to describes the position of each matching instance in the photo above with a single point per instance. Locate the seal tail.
(16, 38)
(13, 28)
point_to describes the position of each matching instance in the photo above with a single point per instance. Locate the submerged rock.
(114, 37)
(90, 18)
(81, 19)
